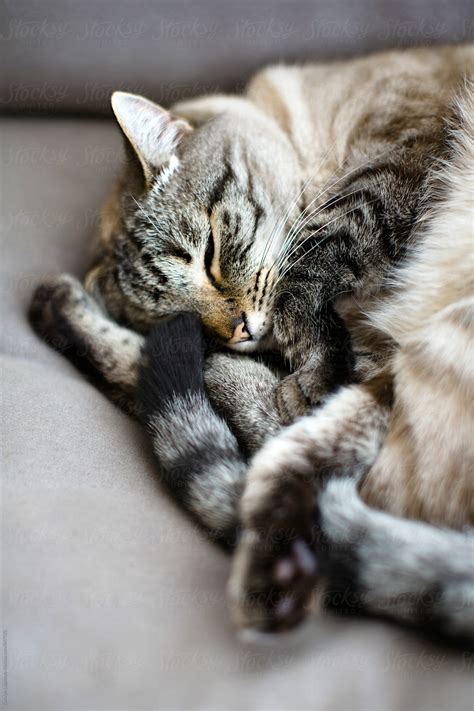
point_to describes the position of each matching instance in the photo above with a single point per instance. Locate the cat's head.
(200, 219)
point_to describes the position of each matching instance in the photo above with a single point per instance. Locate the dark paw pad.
(294, 576)
(276, 567)
(279, 588)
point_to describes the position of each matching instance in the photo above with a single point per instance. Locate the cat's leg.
(317, 344)
(242, 391)
(306, 529)
(344, 247)
(200, 458)
(72, 322)
(276, 567)
(160, 381)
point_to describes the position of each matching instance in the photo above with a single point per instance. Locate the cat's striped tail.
(406, 570)
(198, 456)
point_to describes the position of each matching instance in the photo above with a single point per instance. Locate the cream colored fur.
(306, 101)
(426, 467)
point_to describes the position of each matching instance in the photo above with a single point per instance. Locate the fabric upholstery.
(68, 55)
(112, 599)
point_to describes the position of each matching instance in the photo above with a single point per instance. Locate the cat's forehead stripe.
(220, 185)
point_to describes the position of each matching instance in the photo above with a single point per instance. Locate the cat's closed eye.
(208, 259)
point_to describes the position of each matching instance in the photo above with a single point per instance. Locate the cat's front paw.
(56, 305)
(296, 394)
(275, 567)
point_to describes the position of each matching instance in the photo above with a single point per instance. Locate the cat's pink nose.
(240, 330)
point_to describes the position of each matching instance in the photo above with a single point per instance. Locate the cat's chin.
(264, 343)
(245, 346)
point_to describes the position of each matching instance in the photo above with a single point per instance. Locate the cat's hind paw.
(275, 568)
(298, 393)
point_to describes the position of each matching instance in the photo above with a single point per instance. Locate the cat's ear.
(152, 132)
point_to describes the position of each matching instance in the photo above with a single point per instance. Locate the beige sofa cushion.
(112, 598)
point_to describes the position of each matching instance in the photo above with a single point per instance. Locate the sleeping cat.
(299, 219)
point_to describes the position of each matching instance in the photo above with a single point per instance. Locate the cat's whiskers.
(326, 187)
(323, 226)
(276, 231)
(318, 244)
(333, 201)
(149, 216)
(279, 262)
(281, 223)
(302, 216)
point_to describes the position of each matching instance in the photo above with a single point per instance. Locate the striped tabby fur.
(325, 215)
